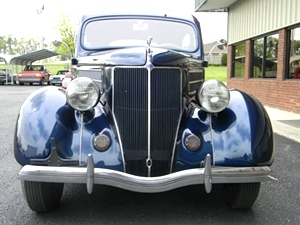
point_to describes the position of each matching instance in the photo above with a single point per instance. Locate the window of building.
(239, 53)
(294, 54)
(264, 57)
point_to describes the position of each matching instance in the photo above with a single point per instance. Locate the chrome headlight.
(192, 142)
(213, 96)
(82, 94)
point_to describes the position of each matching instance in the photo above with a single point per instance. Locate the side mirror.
(204, 63)
(74, 61)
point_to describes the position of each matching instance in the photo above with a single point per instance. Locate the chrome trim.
(80, 138)
(208, 175)
(90, 174)
(149, 68)
(176, 135)
(211, 137)
(115, 121)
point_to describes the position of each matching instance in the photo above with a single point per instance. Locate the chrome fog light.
(101, 142)
(82, 94)
(213, 96)
(192, 142)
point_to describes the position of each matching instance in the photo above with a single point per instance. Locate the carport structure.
(6, 59)
(28, 59)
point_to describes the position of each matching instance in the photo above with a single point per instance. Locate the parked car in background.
(139, 115)
(58, 77)
(6, 76)
(34, 74)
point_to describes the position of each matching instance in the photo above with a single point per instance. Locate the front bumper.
(90, 175)
(56, 81)
(30, 80)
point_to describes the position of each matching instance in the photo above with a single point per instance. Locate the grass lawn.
(216, 72)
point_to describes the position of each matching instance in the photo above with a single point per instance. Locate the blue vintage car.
(140, 116)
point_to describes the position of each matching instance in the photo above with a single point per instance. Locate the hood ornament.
(149, 40)
(149, 53)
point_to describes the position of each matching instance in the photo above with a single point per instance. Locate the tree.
(68, 34)
(224, 60)
(240, 49)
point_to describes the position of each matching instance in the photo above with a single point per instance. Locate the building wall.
(280, 92)
(249, 18)
(250, 21)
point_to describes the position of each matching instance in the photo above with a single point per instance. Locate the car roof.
(163, 14)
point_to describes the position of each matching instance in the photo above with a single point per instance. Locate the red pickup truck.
(34, 74)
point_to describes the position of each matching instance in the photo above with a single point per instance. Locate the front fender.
(44, 115)
(36, 122)
(243, 134)
(240, 135)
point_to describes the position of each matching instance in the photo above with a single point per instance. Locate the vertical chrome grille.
(130, 108)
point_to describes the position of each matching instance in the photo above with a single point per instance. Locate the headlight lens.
(213, 96)
(82, 94)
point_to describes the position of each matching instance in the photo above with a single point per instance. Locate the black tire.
(241, 196)
(20, 83)
(42, 197)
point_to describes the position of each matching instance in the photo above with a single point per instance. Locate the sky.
(32, 22)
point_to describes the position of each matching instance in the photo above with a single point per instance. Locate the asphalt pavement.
(284, 123)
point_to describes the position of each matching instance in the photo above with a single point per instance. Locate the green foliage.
(13, 46)
(68, 35)
(54, 67)
(240, 49)
(224, 60)
(216, 72)
(239, 70)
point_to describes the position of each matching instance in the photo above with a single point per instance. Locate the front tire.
(241, 196)
(42, 196)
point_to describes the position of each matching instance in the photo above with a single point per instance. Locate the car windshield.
(61, 72)
(135, 32)
(34, 68)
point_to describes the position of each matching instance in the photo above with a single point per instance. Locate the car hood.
(56, 77)
(135, 56)
(30, 72)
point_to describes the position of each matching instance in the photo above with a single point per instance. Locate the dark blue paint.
(241, 134)
(247, 141)
(137, 55)
(45, 114)
(186, 159)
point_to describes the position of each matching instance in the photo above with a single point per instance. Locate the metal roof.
(6, 58)
(29, 58)
(213, 5)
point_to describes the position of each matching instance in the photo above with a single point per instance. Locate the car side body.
(6, 76)
(58, 77)
(140, 116)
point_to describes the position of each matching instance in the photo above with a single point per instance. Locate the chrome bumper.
(90, 175)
